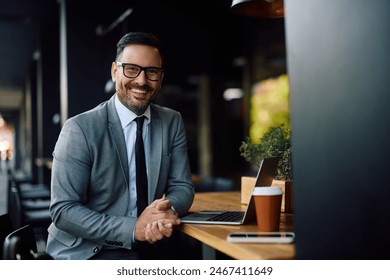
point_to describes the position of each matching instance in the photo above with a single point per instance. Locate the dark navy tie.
(141, 176)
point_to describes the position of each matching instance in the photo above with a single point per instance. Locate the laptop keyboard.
(231, 216)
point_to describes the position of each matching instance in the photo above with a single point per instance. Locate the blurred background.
(226, 72)
(56, 58)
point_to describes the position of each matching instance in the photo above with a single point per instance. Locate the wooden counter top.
(215, 235)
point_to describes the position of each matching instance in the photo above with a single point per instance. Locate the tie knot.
(140, 122)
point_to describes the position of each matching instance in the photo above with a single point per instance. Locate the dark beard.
(138, 110)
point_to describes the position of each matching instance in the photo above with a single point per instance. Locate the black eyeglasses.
(133, 70)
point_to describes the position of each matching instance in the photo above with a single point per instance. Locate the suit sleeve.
(70, 210)
(180, 189)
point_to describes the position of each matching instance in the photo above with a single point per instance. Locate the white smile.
(138, 91)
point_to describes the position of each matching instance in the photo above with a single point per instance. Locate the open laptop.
(265, 175)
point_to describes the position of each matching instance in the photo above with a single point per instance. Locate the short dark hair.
(138, 38)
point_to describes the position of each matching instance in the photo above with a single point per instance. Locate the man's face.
(136, 93)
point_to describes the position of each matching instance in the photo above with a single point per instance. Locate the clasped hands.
(156, 221)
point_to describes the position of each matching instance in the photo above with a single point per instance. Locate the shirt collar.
(126, 116)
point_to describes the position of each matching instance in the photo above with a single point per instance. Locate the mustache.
(143, 87)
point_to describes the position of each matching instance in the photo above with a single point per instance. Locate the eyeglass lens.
(132, 71)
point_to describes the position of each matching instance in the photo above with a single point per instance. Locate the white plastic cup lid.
(267, 190)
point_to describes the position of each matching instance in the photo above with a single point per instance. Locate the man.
(94, 206)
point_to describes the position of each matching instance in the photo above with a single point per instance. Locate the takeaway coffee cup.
(268, 201)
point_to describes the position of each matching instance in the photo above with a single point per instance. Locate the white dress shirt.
(129, 127)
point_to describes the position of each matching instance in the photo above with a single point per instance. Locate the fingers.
(150, 235)
(164, 205)
(161, 203)
(165, 229)
(157, 230)
(165, 226)
(157, 201)
(152, 214)
(153, 233)
(156, 221)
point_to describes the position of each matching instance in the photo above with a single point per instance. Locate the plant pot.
(247, 184)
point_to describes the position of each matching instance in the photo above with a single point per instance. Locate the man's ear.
(114, 69)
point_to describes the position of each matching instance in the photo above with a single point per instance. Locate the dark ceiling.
(22, 20)
(19, 24)
(201, 34)
(18, 20)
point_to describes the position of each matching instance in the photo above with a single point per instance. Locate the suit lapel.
(156, 136)
(115, 128)
(155, 146)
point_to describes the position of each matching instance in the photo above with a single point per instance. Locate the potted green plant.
(275, 142)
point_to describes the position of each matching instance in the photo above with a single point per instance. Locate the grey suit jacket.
(90, 175)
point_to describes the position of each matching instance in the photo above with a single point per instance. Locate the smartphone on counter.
(261, 237)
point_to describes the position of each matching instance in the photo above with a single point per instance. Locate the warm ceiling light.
(233, 93)
(259, 8)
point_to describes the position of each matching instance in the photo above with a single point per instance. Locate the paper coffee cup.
(268, 201)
